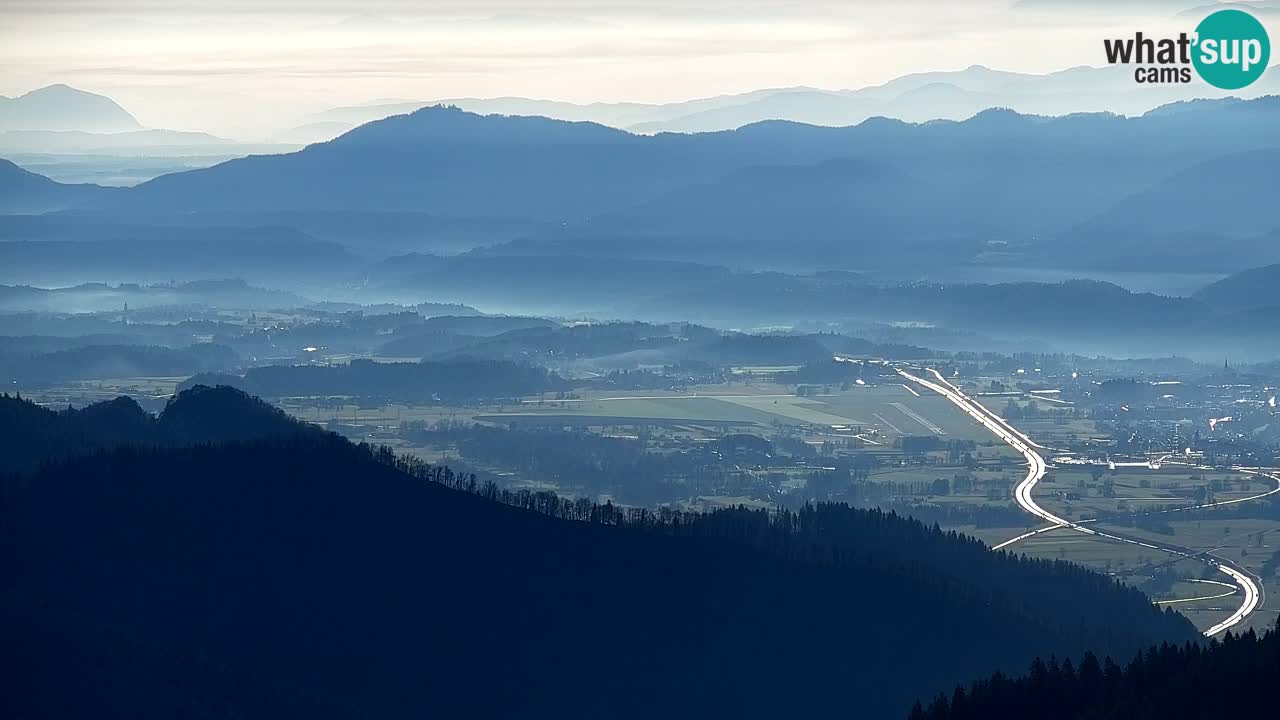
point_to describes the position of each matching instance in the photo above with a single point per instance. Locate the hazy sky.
(240, 66)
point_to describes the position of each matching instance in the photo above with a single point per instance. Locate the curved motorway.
(1036, 469)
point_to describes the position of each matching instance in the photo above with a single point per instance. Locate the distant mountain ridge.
(779, 195)
(1078, 191)
(1081, 191)
(622, 115)
(458, 163)
(75, 136)
(917, 97)
(59, 107)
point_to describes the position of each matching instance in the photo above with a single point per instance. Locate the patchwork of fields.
(884, 411)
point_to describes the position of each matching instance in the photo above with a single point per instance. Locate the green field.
(1249, 542)
(649, 408)
(1071, 492)
(880, 413)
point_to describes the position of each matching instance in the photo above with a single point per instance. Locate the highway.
(1259, 472)
(1036, 468)
(1229, 593)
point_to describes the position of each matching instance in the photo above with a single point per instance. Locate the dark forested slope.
(297, 575)
(1223, 679)
(31, 434)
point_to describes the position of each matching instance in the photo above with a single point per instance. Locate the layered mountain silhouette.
(1078, 190)
(59, 107)
(624, 115)
(23, 192)
(1217, 214)
(918, 97)
(457, 163)
(75, 136)
(1086, 190)
(436, 160)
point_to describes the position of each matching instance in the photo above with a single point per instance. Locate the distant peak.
(997, 113)
(60, 107)
(881, 121)
(58, 89)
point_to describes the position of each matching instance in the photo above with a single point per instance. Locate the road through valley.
(1251, 590)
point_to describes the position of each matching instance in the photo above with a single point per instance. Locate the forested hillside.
(1166, 683)
(297, 575)
(114, 361)
(31, 435)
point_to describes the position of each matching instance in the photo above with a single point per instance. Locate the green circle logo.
(1232, 50)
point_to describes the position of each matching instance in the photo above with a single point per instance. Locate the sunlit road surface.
(1036, 469)
(1202, 598)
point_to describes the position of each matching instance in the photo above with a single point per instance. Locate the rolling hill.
(1215, 215)
(436, 160)
(1248, 290)
(23, 192)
